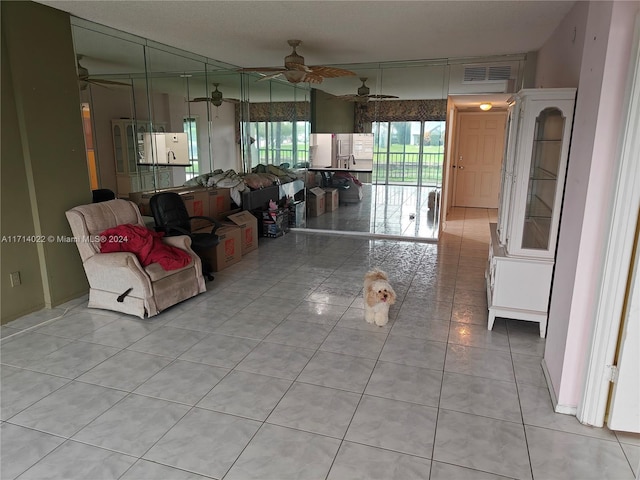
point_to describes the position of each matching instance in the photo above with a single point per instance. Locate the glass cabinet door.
(543, 179)
(506, 180)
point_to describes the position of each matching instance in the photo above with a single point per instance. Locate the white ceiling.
(254, 33)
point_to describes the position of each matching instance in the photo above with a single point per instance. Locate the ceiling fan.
(85, 80)
(363, 94)
(216, 97)
(295, 71)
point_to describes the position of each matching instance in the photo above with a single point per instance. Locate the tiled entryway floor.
(274, 374)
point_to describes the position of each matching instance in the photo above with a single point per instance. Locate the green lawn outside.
(402, 162)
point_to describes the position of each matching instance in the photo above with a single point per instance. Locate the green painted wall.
(329, 115)
(43, 169)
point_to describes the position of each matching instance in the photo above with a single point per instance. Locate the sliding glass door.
(408, 153)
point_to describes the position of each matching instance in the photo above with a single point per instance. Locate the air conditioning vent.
(486, 73)
(501, 72)
(475, 74)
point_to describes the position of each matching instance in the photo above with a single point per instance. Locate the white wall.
(559, 60)
(219, 152)
(223, 141)
(608, 34)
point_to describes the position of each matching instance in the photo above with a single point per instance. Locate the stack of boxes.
(238, 234)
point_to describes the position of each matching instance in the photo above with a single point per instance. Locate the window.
(278, 143)
(408, 153)
(190, 127)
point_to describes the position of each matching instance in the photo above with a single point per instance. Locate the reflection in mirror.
(238, 122)
(404, 107)
(112, 108)
(165, 153)
(278, 123)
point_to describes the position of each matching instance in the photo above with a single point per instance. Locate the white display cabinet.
(523, 242)
(128, 148)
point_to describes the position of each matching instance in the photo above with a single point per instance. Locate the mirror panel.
(113, 98)
(243, 121)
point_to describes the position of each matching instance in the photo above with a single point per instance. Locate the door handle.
(461, 167)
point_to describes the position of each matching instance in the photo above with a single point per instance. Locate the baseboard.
(558, 408)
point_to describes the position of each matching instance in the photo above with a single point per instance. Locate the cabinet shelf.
(538, 208)
(540, 173)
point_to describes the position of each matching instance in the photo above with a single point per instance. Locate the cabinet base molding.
(518, 314)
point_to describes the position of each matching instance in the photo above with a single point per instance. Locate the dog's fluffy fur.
(378, 296)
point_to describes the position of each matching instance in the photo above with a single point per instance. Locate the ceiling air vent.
(475, 74)
(486, 73)
(499, 72)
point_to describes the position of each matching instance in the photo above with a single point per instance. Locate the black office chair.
(171, 217)
(102, 195)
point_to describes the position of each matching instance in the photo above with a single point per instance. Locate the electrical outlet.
(15, 279)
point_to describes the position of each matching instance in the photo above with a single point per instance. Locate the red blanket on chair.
(146, 244)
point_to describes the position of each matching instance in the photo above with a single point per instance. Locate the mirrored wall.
(158, 117)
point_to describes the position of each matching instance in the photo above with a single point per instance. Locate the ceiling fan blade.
(261, 69)
(331, 72)
(298, 67)
(269, 77)
(348, 98)
(108, 82)
(98, 81)
(231, 100)
(313, 78)
(382, 96)
(201, 99)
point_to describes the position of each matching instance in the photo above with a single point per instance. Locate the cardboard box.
(275, 223)
(315, 201)
(332, 199)
(248, 225)
(141, 199)
(219, 202)
(298, 214)
(227, 252)
(197, 203)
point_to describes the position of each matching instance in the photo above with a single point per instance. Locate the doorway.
(89, 146)
(478, 159)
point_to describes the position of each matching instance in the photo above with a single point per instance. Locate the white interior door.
(624, 409)
(479, 158)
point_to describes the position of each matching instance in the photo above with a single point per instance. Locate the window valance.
(279, 112)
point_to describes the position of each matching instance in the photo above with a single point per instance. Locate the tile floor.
(273, 374)
(401, 211)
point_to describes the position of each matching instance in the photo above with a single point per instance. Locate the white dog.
(378, 296)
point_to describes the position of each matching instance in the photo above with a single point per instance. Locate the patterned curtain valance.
(398, 111)
(404, 111)
(279, 112)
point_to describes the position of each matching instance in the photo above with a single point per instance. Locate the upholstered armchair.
(117, 280)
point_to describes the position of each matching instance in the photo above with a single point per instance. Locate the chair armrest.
(216, 223)
(117, 271)
(183, 242)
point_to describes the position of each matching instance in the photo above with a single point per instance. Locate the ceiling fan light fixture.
(363, 91)
(486, 106)
(295, 76)
(216, 96)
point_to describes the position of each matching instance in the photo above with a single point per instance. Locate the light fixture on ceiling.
(486, 106)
